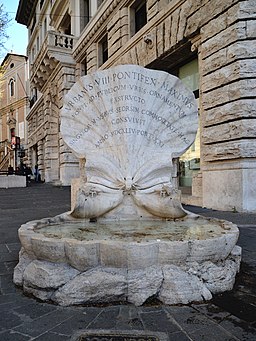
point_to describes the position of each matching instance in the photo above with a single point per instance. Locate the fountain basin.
(72, 261)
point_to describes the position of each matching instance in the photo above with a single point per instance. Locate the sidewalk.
(228, 317)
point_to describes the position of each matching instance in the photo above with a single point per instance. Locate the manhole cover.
(119, 336)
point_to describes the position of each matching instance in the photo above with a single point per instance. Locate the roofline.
(12, 54)
(25, 11)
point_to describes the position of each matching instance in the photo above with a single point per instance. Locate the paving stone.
(80, 320)
(3, 248)
(9, 256)
(212, 311)
(189, 319)
(6, 284)
(36, 309)
(179, 336)
(106, 319)
(10, 319)
(23, 318)
(10, 266)
(44, 323)
(13, 247)
(211, 333)
(129, 318)
(238, 328)
(11, 336)
(49, 336)
(17, 298)
(158, 319)
(236, 307)
(3, 269)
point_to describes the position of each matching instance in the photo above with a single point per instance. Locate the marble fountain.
(127, 237)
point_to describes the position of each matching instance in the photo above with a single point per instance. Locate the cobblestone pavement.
(228, 317)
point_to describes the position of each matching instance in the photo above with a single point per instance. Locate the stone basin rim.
(32, 229)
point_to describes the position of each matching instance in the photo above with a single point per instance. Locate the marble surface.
(127, 238)
(70, 261)
(129, 122)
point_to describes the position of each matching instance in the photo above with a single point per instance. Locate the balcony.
(56, 48)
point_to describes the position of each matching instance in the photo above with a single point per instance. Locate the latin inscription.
(113, 106)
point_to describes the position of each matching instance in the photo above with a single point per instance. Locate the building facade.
(209, 44)
(14, 108)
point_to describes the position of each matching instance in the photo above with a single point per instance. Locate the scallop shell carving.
(129, 122)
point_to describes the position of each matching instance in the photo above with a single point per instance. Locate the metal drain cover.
(119, 335)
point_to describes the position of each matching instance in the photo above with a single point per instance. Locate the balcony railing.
(61, 40)
(55, 44)
(57, 47)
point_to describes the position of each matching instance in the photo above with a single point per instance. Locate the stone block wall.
(224, 35)
(55, 161)
(228, 49)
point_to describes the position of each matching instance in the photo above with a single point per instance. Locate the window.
(11, 86)
(189, 162)
(103, 50)
(12, 65)
(84, 67)
(45, 27)
(33, 55)
(138, 16)
(37, 44)
(33, 97)
(84, 13)
(66, 24)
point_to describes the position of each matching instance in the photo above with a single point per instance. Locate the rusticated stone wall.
(225, 35)
(55, 161)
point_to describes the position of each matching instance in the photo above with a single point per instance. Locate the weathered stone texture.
(230, 131)
(47, 249)
(184, 12)
(220, 23)
(251, 28)
(174, 27)
(173, 290)
(245, 68)
(243, 49)
(24, 260)
(247, 9)
(160, 39)
(201, 16)
(92, 58)
(152, 9)
(226, 37)
(46, 275)
(240, 89)
(96, 285)
(230, 150)
(82, 256)
(241, 108)
(144, 283)
(118, 31)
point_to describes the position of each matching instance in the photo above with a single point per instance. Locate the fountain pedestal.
(72, 262)
(127, 238)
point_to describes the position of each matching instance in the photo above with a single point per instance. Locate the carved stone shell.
(129, 122)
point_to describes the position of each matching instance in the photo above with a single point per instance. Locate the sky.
(18, 34)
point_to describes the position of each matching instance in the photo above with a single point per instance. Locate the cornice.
(25, 11)
(145, 32)
(14, 105)
(95, 25)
